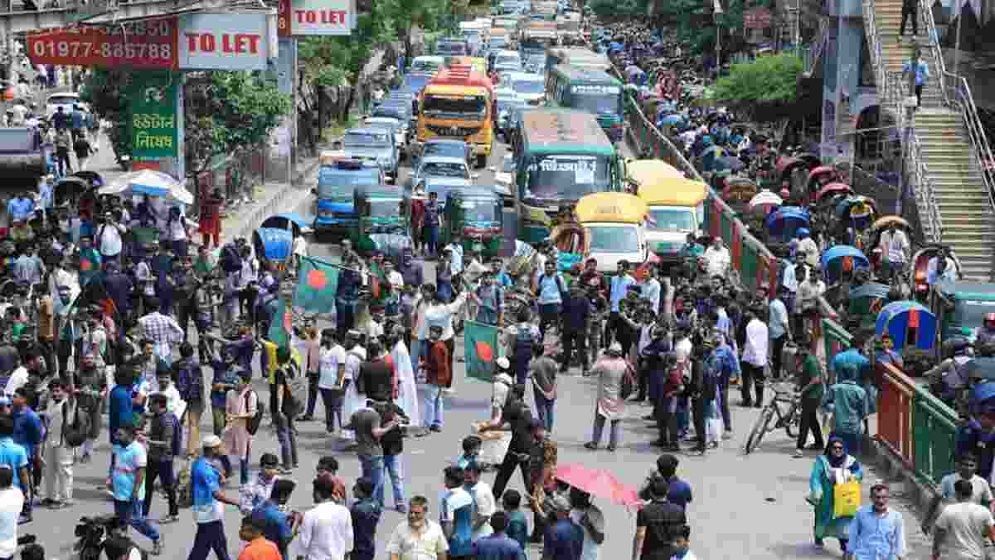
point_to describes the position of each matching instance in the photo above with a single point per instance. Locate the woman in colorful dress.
(834, 467)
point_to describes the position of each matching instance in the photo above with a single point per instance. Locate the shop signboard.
(225, 41)
(316, 17)
(147, 44)
(153, 121)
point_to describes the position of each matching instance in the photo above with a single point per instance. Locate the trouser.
(752, 376)
(666, 421)
(549, 314)
(433, 406)
(312, 393)
(186, 312)
(210, 238)
(62, 161)
(372, 468)
(683, 419)
(130, 513)
(724, 404)
(58, 473)
(918, 90)
(507, 468)
(392, 469)
(191, 425)
(574, 338)
(344, 316)
(431, 240)
(642, 380)
(809, 421)
(331, 399)
(777, 348)
(163, 469)
(612, 327)
(286, 434)
(273, 408)
(210, 536)
(544, 407)
(699, 407)
(599, 426)
(218, 417)
(909, 12)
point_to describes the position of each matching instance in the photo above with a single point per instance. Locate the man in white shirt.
(483, 500)
(331, 374)
(16, 380)
(962, 528)
(807, 247)
(967, 468)
(718, 258)
(11, 504)
(754, 360)
(895, 249)
(326, 529)
(109, 239)
(419, 538)
(651, 290)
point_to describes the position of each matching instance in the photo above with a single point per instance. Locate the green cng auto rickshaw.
(382, 223)
(475, 215)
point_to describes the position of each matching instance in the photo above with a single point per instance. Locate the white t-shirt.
(328, 368)
(483, 500)
(966, 525)
(17, 380)
(11, 504)
(981, 495)
(423, 545)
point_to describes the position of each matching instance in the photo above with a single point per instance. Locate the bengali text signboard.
(141, 44)
(153, 124)
(316, 17)
(229, 41)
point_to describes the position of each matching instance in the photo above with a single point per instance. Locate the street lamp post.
(960, 17)
(716, 12)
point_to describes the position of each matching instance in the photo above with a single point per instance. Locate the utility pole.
(960, 17)
(716, 12)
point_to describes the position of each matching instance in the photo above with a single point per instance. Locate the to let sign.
(316, 17)
(152, 124)
(143, 44)
(223, 41)
(757, 18)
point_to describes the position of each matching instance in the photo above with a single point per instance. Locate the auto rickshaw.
(274, 246)
(877, 228)
(382, 220)
(841, 261)
(645, 172)
(919, 269)
(783, 224)
(738, 192)
(676, 208)
(909, 323)
(68, 190)
(297, 224)
(855, 214)
(475, 215)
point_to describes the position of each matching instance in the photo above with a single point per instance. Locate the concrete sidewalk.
(271, 198)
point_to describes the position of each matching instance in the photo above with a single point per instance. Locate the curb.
(289, 199)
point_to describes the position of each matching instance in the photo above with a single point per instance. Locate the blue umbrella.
(731, 163)
(672, 120)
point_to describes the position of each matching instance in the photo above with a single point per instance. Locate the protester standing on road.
(967, 470)
(128, 484)
(418, 538)
(584, 513)
(58, 454)
(612, 369)
(835, 466)
(241, 405)
(253, 494)
(365, 513)
(876, 531)
(164, 431)
(543, 369)
(657, 524)
(849, 404)
(456, 515)
(208, 503)
(962, 528)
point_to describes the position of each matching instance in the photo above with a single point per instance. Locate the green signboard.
(153, 124)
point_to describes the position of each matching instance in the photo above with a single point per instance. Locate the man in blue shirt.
(27, 433)
(365, 512)
(128, 486)
(20, 208)
(876, 532)
(456, 515)
(550, 289)
(498, 545)
(618, 289)
(207, 500)
(678, 490)
(272, 516)
(564, 539)
(14, 456)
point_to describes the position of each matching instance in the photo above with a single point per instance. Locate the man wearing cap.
(610, 370)
(563, 539)
(207, 506)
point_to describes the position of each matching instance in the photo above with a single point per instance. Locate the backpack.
(523, 344)
(231, 261)
(177, 443)
(252, 424)
(296, 392)
(75, 425)
(710, 379)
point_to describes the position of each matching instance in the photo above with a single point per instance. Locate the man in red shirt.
(258, 548)
(438, 376)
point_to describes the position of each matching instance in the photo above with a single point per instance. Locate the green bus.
(593, 91)
(560, 155)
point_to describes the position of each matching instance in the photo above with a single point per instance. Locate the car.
(440, 174)
(507, 61)
(507, 100)
(530, 87)
(504, 176)
(446, 147)
(396, 126)
(66, 100)
(375, 144)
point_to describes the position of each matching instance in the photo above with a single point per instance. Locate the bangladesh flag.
(317, 281)
(280, 328)
(481, 342)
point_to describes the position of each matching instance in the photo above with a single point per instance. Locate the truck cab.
(338, 180)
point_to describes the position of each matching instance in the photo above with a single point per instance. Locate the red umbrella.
(599, 483)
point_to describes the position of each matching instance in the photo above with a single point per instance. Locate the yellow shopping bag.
(846, 499)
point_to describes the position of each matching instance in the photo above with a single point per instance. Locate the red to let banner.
(142, 44)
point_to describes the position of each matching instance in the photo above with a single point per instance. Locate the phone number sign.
(143, 44)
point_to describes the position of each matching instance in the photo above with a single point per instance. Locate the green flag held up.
(481, 343)
(317, 282)
(280, 327)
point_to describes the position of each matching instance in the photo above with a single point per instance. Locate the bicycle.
(785, 405)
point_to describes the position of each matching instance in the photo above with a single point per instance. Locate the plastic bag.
(846, 499)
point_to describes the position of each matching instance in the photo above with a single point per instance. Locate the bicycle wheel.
(759, 429)
(792, 421)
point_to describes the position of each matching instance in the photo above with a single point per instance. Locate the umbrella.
(833, 189)
(150, 182)
(598, 482)
(731, 163)
(765, 198)
(672, 120)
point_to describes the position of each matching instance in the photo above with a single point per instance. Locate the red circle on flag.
(484, 351)
(316, 279)
(85, 264)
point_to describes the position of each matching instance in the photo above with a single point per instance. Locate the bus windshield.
(569, 177)
(596, 99)
(384, 208)
(671, 219)
(479, 210)
(613, 239)
(464, 105)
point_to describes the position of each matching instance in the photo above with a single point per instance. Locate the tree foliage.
(618, 8)
(768, 79)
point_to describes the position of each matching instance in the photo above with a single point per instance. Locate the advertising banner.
(142, 44)
(229, 41)
(153, 124)
(316, 17)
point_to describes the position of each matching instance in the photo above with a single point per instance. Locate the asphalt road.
(744, 506)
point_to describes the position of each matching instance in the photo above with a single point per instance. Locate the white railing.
(932, 223)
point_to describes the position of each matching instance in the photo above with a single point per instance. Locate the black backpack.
(75, 424)
(231, 261)
(252, 425)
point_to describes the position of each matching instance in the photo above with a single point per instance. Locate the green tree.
(767, 80)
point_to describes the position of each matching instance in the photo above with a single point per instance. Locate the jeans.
(544, 407)
(433, 406)
(286, 434)
(431, 240)
(809, 422)
(331, 399)
(372, 469)
(724, 405)
(574, 338)
(777, 348)
(752, 375)
(312, 393)
(599, 426)
(549, 314)
(392, 468)
(162, 469)
(129, 512)
(210, 536)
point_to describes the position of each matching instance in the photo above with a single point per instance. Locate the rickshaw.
(68, 190)
(822, 176)
(865, 302)
(841, 261)
(783, 224)
(877, 228)
(909, 323)
(274, 246)
(475, 215)
(831, 190)
(297, 224)
(765, 201)
(789, 168)
(738, 192)
(382, 220)
(919, 269)
(855, 213)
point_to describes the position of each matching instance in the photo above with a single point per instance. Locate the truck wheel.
(481, 161)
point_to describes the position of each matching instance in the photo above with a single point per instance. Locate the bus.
(593, 91)
(577, 56)
(560, 156)
(459, 103)
(536, 37)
